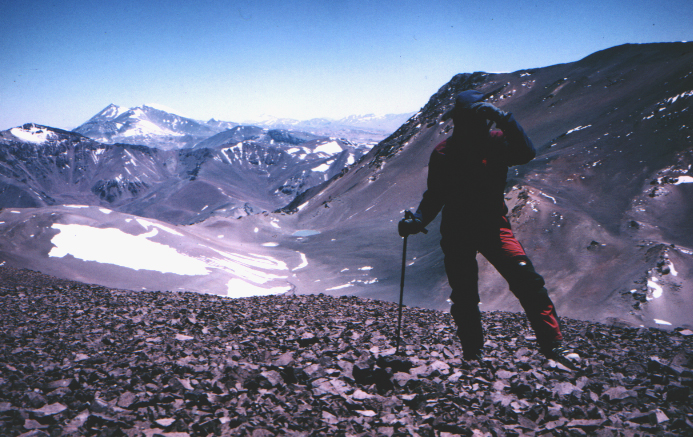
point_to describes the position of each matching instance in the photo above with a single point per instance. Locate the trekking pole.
(407, 214)
(401, 293)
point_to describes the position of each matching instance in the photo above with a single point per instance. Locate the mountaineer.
(466, 180)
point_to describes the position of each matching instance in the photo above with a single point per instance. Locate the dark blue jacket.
(467, 176)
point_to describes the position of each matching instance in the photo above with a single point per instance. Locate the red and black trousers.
(495, 240)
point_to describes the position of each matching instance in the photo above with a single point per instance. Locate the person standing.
(466, 180)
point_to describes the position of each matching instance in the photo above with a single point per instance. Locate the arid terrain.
(78, 359)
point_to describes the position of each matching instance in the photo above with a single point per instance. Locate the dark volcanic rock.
(79, 359)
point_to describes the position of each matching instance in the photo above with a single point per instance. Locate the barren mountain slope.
(604, 209)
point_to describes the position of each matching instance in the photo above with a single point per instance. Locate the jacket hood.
(464, 100)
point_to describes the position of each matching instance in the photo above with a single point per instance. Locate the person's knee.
(463, 277)
(523, 280)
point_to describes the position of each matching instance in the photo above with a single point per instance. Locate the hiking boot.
(564, 356)
(473, 356)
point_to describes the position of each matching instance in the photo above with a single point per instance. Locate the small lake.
(305, 233)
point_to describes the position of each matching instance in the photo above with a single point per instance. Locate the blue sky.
(63, 61)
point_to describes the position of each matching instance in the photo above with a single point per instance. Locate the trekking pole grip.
(410, 215)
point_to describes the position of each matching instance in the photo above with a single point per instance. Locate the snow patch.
(237, 288)
(146, 127)
(32, 134)
(131, 251)
(672, 269)
(321, 168)
(249, 267)
(683, 95)
(270, 244)
(579, 128)
(304, 262)
(330, 148)
(549, 197)
(657, 290)
(146, 224)
(339, 287)
(684, 180)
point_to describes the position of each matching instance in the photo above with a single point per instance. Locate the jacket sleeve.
(434, 196)
(520, 148)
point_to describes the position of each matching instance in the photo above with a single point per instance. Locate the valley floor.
(79, 359)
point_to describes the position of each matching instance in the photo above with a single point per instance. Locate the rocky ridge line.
(79, 359)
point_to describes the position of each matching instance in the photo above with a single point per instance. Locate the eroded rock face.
(79, 359)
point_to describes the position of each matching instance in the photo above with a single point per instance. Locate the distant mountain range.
(154, 127)
(238, 171)
(603, 211)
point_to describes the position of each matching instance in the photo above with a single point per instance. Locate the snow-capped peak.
(32, 133)
(111, 112)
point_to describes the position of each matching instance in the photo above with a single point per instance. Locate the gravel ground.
(79, 359)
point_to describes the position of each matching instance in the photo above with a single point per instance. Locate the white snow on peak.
(33, 134)
(113, 111)
(146, 127)
(330, 148)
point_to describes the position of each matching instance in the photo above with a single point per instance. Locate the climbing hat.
(463, 101)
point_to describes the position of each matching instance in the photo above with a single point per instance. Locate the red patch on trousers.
(509, 243)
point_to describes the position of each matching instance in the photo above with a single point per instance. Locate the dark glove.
(490, 112)
(409, 225)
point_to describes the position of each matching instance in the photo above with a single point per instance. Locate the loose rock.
(81, 359)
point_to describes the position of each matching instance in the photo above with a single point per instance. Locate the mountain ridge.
(587, 192)
(154, 127)
(258, 169)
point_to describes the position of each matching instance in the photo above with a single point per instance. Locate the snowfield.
(33, 134)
